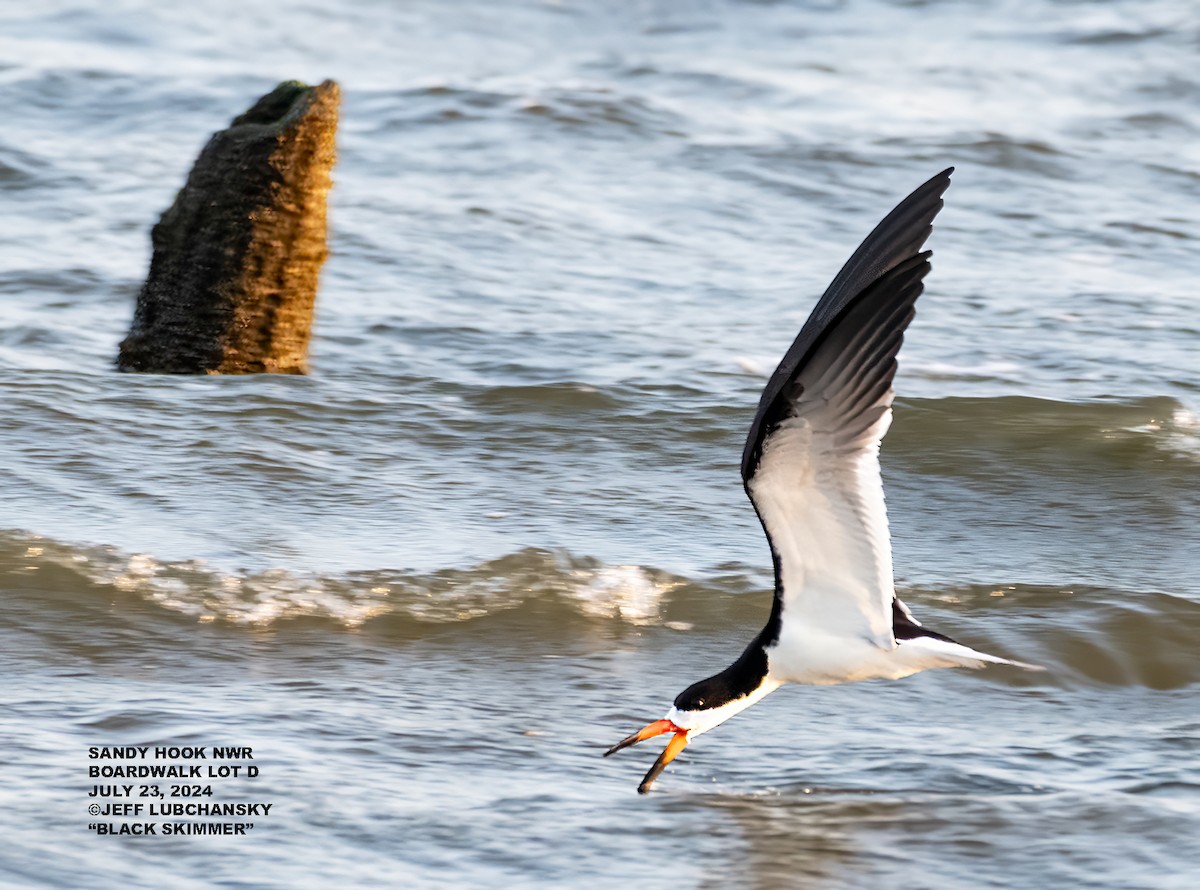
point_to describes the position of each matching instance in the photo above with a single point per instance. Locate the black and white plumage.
(811, 469)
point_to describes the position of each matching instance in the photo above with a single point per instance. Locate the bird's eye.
(700, 703)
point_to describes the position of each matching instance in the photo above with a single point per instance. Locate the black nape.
(736, 681)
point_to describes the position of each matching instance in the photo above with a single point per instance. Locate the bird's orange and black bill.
(658, 727)
(674, 746)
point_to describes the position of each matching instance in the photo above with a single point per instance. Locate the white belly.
(817, 657)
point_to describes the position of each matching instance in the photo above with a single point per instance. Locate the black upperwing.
(898, 238)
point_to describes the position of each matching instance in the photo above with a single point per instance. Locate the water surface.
(500, 525)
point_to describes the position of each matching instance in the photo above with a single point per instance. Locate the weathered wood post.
(233, 277)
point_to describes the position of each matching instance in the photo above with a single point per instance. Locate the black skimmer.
(811, 469)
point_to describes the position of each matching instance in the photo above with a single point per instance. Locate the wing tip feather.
(897, 241)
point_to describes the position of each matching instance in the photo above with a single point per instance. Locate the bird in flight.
(811, 469)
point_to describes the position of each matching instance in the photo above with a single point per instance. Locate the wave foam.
(192, 588)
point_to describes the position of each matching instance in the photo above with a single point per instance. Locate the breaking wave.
(1084, 635)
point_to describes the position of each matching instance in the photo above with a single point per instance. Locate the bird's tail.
(934, 653)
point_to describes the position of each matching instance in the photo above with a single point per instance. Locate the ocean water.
(500, 525)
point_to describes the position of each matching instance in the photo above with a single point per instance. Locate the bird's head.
(699, 708)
